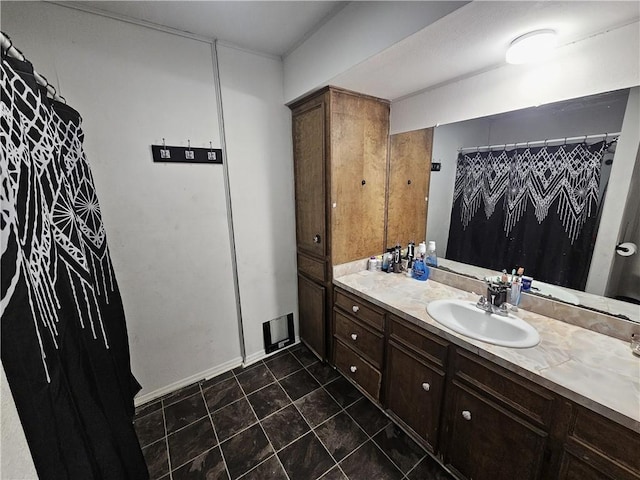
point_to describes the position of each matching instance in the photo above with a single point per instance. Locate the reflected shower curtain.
(530, 207)
(64, 340)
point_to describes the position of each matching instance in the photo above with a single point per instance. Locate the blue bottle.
(420, 270)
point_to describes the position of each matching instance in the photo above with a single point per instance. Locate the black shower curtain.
(64, 342)
(530, 207)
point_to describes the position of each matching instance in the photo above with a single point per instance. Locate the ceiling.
(270, 27)
(474, 38)
(470, 40)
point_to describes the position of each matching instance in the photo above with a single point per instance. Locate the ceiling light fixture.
(531, 47)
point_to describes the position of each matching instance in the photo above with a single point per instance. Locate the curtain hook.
(584, 140)
(189, 144)
(164, 147)
(210, 146)
(545, 142)
(565, 141)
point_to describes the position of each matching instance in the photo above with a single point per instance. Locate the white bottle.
(432, 258)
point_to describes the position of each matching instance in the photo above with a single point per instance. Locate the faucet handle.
(504, 308)
(482, 301)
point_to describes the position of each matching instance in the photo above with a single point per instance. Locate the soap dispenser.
(431, 258)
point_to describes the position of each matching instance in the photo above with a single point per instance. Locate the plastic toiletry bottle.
(431, 258)
(420, 270)
(422, 250)
(515, 293)
(385, 260)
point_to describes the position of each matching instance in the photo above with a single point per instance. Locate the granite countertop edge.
(544, 368)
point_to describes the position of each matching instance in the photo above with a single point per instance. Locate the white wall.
(259, 149)
(166, 224)
(598, 64)
(357, 32)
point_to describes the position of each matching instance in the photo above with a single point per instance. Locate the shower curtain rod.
(584, 138)
(7, 46)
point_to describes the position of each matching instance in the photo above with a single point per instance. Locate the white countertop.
(594, 370)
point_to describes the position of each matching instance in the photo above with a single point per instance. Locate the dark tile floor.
(288, 417)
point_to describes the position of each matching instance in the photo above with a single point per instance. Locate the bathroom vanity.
(567, 408)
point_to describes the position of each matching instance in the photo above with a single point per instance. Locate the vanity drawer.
(358, 369)
(615, 442)
(359, 337)
(424, 343)
(360, 309)
(505, 387)
(312, 267)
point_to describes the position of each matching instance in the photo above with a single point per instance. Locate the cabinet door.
(359, 135)
(487, 442)
(409, 173)
(311, 308)
(414, 392)
(309, 172)
(575, 469)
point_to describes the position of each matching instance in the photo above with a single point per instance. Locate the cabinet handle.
(466, 414)
(408, 182)
(426, 387)
(354, 336)
(316, 238)
(353, 369)
(355, 308)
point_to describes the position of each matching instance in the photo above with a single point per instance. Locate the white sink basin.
(464, 317)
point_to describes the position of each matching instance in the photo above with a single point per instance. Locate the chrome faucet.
(486, 305)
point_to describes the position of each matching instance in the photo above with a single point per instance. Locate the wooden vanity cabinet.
(359, 341)
(340, 145)
(497, 423)
(415, 379)
(597, 448)
(481, 420)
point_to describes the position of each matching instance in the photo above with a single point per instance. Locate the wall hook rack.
(174, 154)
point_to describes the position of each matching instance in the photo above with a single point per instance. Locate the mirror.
(553, 123)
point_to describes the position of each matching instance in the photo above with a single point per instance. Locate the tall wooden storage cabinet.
(408, 186)
(340, 147)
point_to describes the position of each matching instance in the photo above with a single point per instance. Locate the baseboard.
(212, 372)
(260, 355)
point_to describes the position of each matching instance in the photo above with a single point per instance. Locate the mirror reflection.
(527, 189)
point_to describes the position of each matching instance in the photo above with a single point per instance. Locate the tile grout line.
(336, 463)
(312, 429)
(166, 442)
(303, 417)
(322, 385)
(219, 445)
(275, 454)
(380, 448)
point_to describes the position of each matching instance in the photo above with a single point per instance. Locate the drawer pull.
(426, 387)
(466, 414)
(354, 336)
(355, 308)
(353, 369)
